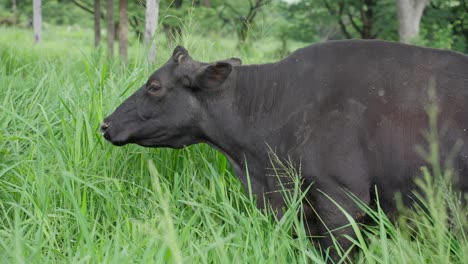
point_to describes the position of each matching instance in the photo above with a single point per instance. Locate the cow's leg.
(333, 194)
(332, 223)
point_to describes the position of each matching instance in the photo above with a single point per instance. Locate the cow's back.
(384, 88)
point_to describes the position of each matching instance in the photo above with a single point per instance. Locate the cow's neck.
(234, 123)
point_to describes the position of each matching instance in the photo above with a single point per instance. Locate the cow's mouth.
(161, 139)
(121, 139)
(116, 140)
(119, 143)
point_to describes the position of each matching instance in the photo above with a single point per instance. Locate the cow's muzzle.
(109, 132)
(104, 127)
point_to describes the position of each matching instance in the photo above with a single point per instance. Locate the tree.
(177, 3)
(97, 22)
(243, 21)
(84, 7)
(123, 29)
(445, 25)
(13, 7)
(315, 20)
(110, 27)
(37, 20)
(151, 23)
(358, 16)
(205, 3)
(13, 20)
(409, 18)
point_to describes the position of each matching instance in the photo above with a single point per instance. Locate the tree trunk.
(110, 27)
(368, 19)
(248, 20)
(13, 7)
(206, 3)
(97, 22)
(151, 24)
(14, 10)
(409, 18)
(177, 3)
(123, 29)
(37, 20)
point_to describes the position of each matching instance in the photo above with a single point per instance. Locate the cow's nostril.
(104, 126)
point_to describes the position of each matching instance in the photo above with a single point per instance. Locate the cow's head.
(167, 110)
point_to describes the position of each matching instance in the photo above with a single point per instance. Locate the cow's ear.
(180, 54)
(233, 61)
(213, 75)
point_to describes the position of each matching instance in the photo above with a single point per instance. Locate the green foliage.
(445, 25)
(312, 20)
(306, 21)
(68, 196)
(54, 12)
(172, 17)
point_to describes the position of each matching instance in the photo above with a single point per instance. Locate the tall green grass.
(68, 196)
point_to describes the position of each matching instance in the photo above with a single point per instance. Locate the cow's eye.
(154, 89)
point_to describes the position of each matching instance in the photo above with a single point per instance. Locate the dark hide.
(349, 112)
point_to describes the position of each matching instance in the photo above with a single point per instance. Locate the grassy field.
(67, 196)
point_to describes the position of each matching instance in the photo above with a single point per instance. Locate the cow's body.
(349, 114)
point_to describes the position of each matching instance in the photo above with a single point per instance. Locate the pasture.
(67, 196)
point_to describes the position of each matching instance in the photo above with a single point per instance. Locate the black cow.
(349, 112)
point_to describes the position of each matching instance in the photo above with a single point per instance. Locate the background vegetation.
(68, 196)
